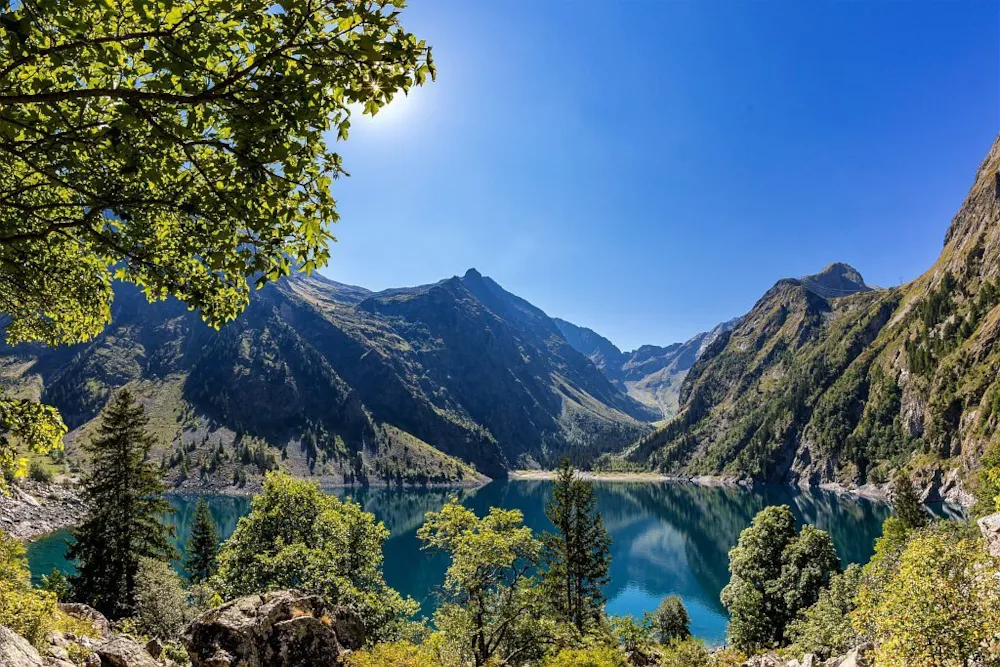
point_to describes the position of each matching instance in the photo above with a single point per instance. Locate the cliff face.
(827, 380)
(340, 383)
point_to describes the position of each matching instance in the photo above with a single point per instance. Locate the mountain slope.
(650, 374)
(338, 382)
(815, 385)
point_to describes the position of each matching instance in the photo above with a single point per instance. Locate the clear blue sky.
(650, 168)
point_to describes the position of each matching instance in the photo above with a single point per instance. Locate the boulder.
(87, 613)
(278, 629)
(123, 651)
(990, 527)
(16, 651)
(769, 660)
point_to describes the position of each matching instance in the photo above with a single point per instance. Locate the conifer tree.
(203, 547)
(906, 502)
(124, 491)
(577, 556)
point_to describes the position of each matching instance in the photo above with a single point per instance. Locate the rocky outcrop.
(990, 527)
(854, 658)
(279, 629)
(34, 508)
(89, 614)
(15, 651)
(123, 651)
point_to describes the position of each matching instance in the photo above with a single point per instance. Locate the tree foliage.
(203, 546)
(161, 603)
(775, 573)
(182, 146)
(577, 556)
(906, 502)
(296, 536)
(670, 621)
(825, 628)
(30, 613)
(123, 526)
(939, 603)
(489, 606)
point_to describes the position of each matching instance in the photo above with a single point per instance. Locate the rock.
(154, 648)
(279, 629)
(16, 651)
(87, 613)
(990, 527)
(36, 508)
(122, 651)
(769, 660)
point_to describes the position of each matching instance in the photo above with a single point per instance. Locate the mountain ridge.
(341, 383)
(844, 389)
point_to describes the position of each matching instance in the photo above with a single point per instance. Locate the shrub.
(685, 653)
(940, 605)
(28, 612)
(587, 657)
(394, 654)
(39, 472)
(825, 628)
(160, 600)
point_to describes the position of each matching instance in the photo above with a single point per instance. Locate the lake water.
(668, 538)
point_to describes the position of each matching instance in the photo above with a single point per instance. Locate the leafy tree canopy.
(296, 536)
(181, 145)
(776, 572)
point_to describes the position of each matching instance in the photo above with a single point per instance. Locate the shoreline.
(869, 492)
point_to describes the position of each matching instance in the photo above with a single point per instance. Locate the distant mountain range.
(827, 380)
(650, 374)
(344, 384)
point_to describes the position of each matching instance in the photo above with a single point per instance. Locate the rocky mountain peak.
(837, 279)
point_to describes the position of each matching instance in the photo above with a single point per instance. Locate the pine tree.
(203, 546)
(906, 502)
(577, 556)
(124, 492)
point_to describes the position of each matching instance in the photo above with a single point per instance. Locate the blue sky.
(650, 168)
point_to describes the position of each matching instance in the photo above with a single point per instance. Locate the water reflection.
(668, 538)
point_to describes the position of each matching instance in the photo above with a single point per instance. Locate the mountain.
(341, 383)
(650, 374)
(827, 380)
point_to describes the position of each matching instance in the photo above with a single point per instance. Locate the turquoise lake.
(668, 538)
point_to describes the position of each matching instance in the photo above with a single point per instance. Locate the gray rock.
(15, 651)
(279, 629)
(990, 527)
(122, 651)
(87, 613)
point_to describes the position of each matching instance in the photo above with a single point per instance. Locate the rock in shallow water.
(279, 629)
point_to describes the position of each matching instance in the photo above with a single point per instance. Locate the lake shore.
(34, 509)
(869, 491)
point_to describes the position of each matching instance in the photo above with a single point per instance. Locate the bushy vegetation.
(776, 572)
(296, 536)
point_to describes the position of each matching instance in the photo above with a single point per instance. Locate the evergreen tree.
(906, 502)
(577, 555)
(124, 492)
(203, 546)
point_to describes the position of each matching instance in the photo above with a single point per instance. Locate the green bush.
(296, 536)
(28, 612)
(587, 657)
(39, 472)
